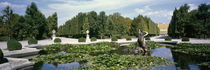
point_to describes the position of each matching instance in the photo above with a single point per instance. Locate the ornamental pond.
(177, 61)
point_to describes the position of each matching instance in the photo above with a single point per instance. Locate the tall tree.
(7, 17)
(37, 22)
(204, 16)
(102, 24)
(52, 23)
(85, 27)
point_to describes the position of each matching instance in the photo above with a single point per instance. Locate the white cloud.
(147, 11)
(192, 7)
(4, 4)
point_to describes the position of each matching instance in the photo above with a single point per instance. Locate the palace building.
(163, 29)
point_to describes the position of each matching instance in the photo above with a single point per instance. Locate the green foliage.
(144, 24)
(1, 56)
(114, 38)
(99, 47)
(168, 38)
(55, 48)
(32, 41)
(132, 45)
(102, 25)
(13, 45)
(153, 44)
(185, 23)
(32, 24)
(114, 61)
(57, 40)
(81, 40)
(36, 21)
(185, 39)
(128, 38)
(52, 22)
(192, 49)
(147, 38)
(93, 39)
(90, 48)
(61, 58)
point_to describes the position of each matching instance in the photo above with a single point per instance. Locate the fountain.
(141, 45)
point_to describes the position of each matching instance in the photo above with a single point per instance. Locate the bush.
(114, 39)
(168, 38)
(128, 38)
(32, 41)
(13, 45)
(185, 39)
(147, 38)
(118, 37)
(93, 39)
(1, 56)
(81, 40)
(57, 40)
(2, 59)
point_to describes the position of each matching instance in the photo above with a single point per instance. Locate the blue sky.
(160, 11)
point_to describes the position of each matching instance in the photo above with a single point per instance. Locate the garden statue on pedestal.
(87, 37)
(53, 36)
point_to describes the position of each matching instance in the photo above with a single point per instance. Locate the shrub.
(114, 39)
(1, 56)
(93, 39)
(32, 41)
(168, 38)
(147, 38)
(57, 40)
(13, 45)
(185, 39)
(81, 40)
(128, 38)
(118, 37)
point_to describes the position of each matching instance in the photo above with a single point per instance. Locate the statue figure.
(87, 37)
(53, 35)
(141, 42)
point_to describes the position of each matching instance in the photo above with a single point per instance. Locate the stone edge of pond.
(15, 63)
(21, 53)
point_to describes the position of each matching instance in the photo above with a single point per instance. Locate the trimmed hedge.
(81, 40)
(128, 38)
(93, 39)
(114, 39)
(13, 45)
(1, 56)
(147, 38)
(32, 41)
(185, 39)
(57, 40)
(168, 38)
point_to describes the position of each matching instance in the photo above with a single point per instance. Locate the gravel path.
(3, 45)
(192, 40)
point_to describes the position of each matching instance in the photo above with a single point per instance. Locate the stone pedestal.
(87, 37)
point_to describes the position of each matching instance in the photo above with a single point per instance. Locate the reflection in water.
(182, 61)
(62, 66)
(163, 52)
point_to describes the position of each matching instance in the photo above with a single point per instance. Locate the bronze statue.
(141, 45)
